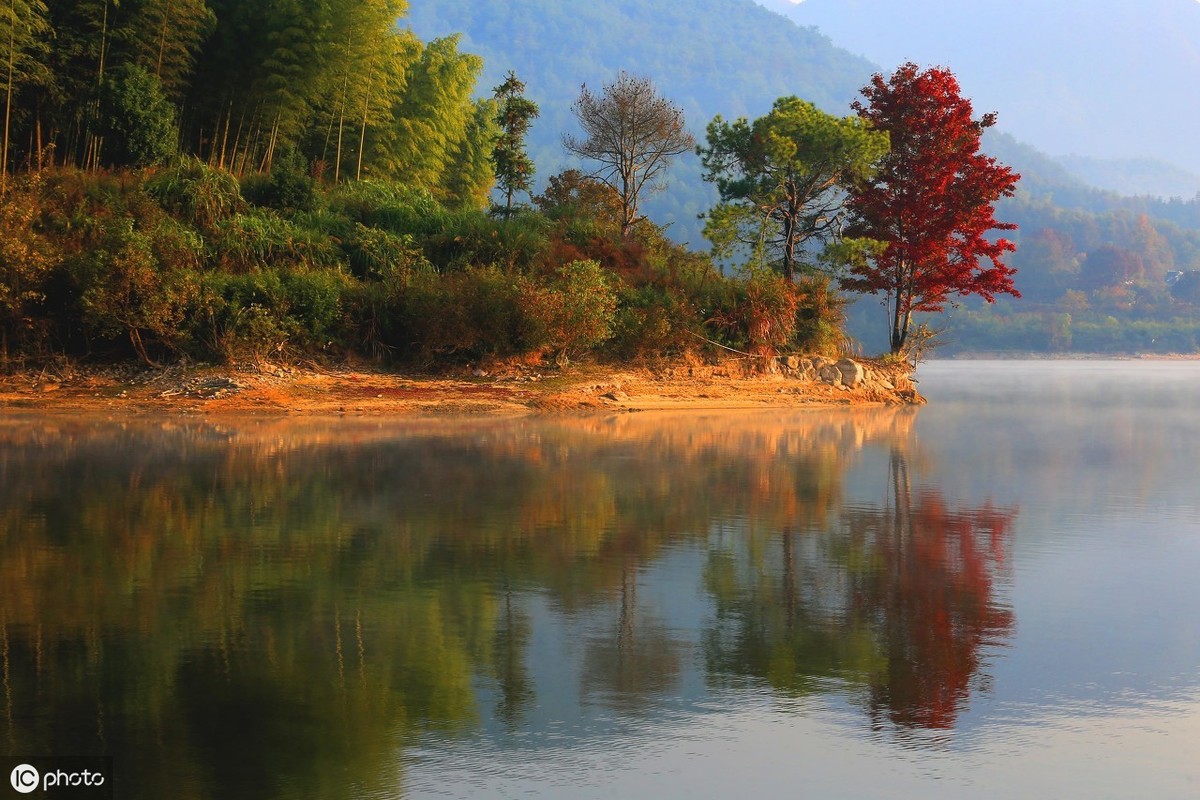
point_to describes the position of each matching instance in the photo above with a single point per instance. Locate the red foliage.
(932, 201)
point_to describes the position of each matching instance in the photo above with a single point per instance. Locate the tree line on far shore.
(219, 180)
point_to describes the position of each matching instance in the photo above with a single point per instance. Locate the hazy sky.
(1106, 78)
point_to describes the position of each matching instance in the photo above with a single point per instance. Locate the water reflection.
(274, 609)
(894, 602)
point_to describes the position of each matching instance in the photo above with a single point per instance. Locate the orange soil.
(356, 391)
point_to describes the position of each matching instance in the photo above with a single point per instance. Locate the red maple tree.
(932, 203)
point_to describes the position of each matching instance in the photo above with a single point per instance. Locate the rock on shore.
(855, 380)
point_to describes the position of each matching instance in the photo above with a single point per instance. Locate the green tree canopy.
(137, 119)
(779, 178)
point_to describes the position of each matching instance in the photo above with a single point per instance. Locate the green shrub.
(125, 290)
(764, 313)
(474, 239)
(260, 239)
(820, 315)
(475, 312)
(379, 255)
(287, 187)
(486, 311)
(176, 245)
(271, 312)
(136, 118)
(197, 194)
(325, 222)
(574, 314)
(27, 260)
(362, 200)
(654, 321)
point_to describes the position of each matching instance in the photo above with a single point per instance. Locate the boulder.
(851, 372)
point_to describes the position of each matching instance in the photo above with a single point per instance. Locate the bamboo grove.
(117, 83)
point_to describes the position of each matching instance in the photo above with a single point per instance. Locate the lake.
(990, 596)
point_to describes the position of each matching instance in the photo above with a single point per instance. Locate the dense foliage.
(221, 180)
(243, 85)
(186, 261)
(731, 57)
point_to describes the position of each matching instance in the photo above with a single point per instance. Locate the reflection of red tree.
(932, 592)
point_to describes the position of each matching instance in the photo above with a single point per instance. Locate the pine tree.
(514, 115)
(634, 134)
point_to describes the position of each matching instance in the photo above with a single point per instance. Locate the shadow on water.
(276, 608)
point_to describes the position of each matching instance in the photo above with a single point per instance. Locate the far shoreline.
(1003, 355)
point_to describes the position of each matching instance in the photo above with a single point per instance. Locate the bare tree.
(633, 133)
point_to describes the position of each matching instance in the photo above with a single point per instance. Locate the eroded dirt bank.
(280, 389)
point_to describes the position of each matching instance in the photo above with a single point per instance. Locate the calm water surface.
(992, 596)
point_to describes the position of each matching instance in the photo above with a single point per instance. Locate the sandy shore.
(277, 389)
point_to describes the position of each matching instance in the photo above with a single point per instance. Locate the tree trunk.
(362, 134)
(337, 161)
(900, 325)
(789, 245)
(225, 137)
(162, 45)
(103, 45)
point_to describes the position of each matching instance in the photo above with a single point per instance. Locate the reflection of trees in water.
(515, 685)
(937, 584)
(288, 605)
(894, 603)
(634, 661)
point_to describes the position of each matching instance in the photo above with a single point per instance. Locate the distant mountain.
(1102, 78)
(1134, 176)
(728, 54)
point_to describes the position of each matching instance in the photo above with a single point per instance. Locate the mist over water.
(991, 595)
